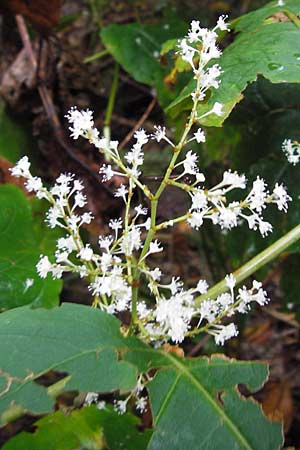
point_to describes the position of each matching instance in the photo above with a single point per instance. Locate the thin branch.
(139, 123)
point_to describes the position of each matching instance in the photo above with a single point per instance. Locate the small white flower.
(140, 210)
(21, 169)
(105, 242)
(190, 163)
(107, 172)
(82, 122)
(141, 404)
(160, 133)
(141, 136)
(101, 405)
(230, 281)
(217, 109)
(154, 247)
(224, 332)
(120, 406)
(221, 24)
(200, 136)
(44, 266)
(202, 286)
(91, 397)
(281, 197)
(115, 224)
(86, 253)
(121, 192)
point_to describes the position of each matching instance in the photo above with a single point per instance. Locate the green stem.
(254, 264)
(293, 18)
(97, 55)
(111, 102)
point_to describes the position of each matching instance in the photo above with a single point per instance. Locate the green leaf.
(21, 244)
(137, 47)
(87, 427)
(76, 339)
(195, 403)
(14, 140)
(121, 432)
(63, 432)
(263, 46)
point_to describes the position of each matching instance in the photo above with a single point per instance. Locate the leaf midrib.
(227, 420)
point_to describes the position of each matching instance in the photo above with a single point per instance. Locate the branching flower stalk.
(124, 261)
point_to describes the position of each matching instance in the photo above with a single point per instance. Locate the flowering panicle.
(120, 263)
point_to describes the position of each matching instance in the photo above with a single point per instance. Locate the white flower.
(105, 242)
(190, 163)
(160, 133)
(79, 200)
(224, 332)
(91, 397)
(154, 247)
(86, 218)
(291, 150)
(264, 228)
(44, 266)
(199, 136)
(281, 197)
(217, 109)
(196, 220)
(257, 196)
(107, 172)
(28, 283)
(120, 406)
(221, 24)
(230, 281)
(202, 286)
(140, 210)
(234, 180)
(141, 136)
(34, 184)
(121, 192)
(155, 274)
(131, 241)
(141, 404)
(86, 253)
(82, 122)
(115, 224)
(200, 178)
(21, 169)
(199, 200)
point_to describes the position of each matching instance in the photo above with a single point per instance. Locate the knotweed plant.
(117, 268)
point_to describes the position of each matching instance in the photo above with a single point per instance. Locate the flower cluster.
(121, 261)
(291, 150)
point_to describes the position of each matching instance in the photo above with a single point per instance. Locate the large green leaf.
(80, 429)
(137, 46)
(21, 243)
(73, 338)
(88, 428)
(263, 46)
(195, 403)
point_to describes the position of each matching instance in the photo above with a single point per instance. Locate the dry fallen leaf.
(278, 402)
(42, 14)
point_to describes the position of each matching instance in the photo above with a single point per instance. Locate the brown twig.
(49, 105)
(199, 345)
(138, 124)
